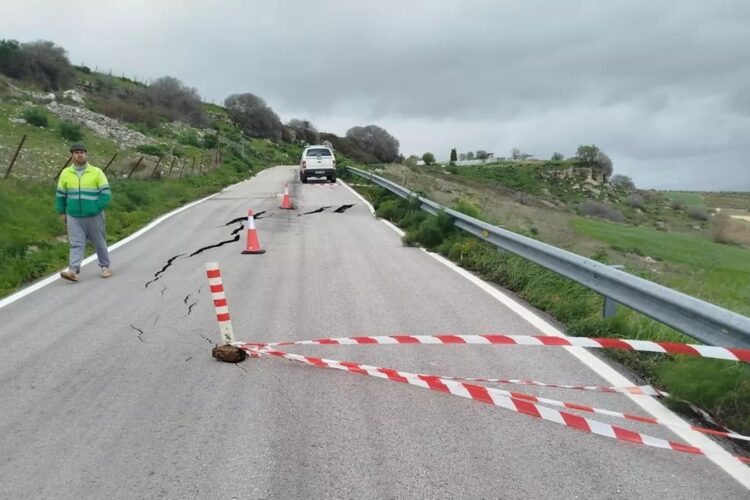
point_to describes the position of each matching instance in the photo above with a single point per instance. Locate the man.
(82, 195)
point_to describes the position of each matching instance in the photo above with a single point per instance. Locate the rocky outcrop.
(99, 124)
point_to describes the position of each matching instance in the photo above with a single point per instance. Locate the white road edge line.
(54, 277)
(739, 471)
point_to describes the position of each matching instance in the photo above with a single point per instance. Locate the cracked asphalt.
(108, 388)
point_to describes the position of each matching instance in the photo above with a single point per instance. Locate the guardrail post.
(609, 308)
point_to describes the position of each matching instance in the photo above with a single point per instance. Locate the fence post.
(110, 162)
(200, 167)
(192, 167)
(174, 158)
(13, 160)
(182, 171)
(153, 173)
(67, 162)
(135, 167)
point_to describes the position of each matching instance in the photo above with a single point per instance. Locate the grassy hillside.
(689, 261)
(192, 163)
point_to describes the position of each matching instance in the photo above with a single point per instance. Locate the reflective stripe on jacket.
(83, 196)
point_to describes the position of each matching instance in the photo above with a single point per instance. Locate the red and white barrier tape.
(643, 390)
(494, 397)
(705, 351)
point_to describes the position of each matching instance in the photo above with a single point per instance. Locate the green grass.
(45, 150)
(514, 175)
(687, 198)
(30, 245)
(716, 273)
(721, 388)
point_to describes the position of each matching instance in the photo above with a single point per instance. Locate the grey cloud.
(657, 84)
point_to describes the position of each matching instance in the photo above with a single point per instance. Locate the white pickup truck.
(317, 161)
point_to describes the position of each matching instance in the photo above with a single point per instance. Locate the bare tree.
(622, 181)
(254, 116)
(376, 141)
(179, 101)
(304, 131)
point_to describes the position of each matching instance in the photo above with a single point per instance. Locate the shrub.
(730, 232)
(190, 138)
(177, 101)
(467, 206)
(676, 205)
(304, 131)
(635, 200)
(622, 181)
(40, 62)
(129, 110)
(428, 158)
(697, 213)
(602, 210)
(71, 131)
(153, 149)
(375, 141)
(36, 117)
(254, 116)
(210, 141)
(523, 198)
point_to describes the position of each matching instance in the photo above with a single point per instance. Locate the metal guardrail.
(703, 321)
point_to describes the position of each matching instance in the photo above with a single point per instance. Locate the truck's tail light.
(304, 164)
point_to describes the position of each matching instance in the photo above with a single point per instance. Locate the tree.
(41, 62)
(604, 163)
(176, 100)
(470, 155)
(254, 116)
(587, 155)
(482, 154)
(304, 131)
(428, 158)
(411, 161)
(516, 153)
(462, 157)
(590, 156)
(376, 141)
(11, 58)
(557, 156)
(454, 155)
(622, 181)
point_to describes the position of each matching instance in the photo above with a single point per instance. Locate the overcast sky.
(663, 87)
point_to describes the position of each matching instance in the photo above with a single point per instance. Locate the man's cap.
(77, 147)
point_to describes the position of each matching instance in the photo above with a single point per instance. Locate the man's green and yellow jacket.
(83, 195)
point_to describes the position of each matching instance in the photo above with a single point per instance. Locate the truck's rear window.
(318, 152)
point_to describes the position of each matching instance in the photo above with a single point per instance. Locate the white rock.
(18, 121)
(73, 95)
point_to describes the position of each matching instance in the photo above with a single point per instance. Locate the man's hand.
(63, 218)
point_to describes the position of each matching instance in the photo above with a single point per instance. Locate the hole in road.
(319, 210)
(343, 208)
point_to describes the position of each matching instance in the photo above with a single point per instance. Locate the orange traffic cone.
(286, 202)
(253, 245)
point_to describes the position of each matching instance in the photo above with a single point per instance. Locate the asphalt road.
(108, 388)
